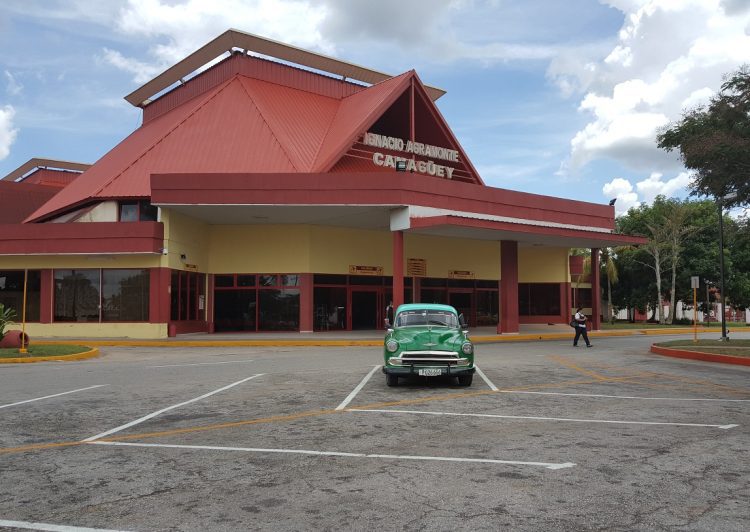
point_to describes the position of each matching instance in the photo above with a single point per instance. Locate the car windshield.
(421, 318)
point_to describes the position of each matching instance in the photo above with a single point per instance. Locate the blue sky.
(550, 97)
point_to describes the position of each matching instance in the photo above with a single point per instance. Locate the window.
(11, 293)
(125, 295)
(188, 301)
(101, 295)
(77, 295)
(538, 299)
(138, 211)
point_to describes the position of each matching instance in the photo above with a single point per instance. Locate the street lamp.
(720, 201)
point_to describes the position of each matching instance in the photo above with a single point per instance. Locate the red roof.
(18, 200)
(242, 125)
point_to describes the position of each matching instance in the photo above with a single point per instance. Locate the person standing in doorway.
(580, 319)
(389, 314)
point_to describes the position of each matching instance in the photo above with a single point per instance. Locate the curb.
(697, 355)
(91, 353)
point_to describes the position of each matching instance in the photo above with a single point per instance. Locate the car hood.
(435, 339)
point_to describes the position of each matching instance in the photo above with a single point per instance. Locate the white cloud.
(178, 29)
(668, 56)
(7, 132)
(12, 87)
(654, 186)
(622, 190)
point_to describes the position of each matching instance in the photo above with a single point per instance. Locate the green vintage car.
(428, 340)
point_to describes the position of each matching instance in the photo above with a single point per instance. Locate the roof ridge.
(268, 125)
(158, 141)
(343, 100)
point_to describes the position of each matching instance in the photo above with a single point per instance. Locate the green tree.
(714, 141)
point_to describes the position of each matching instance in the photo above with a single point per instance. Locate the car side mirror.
(462, 321)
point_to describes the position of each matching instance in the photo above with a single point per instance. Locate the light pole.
(730, 196)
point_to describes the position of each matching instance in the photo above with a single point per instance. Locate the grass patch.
(43, 351)
(739, 348)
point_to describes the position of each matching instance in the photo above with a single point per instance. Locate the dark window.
(245, 280)
(330, 308)
(461, 283)
(223, 281)
(365, 280)
(188, 295)
(128, 211)
(267, 280)
(486, 284)
(125, 295)
(77, 295)
(289, 280)
(329, 279)
(538, 299)
(278, 310)
(432, 282)
(235, 310)
(582, 297)
(138, 211)
(11, 293)
(487, 307)
(434, 295)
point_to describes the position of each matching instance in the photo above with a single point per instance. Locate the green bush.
(7, 316)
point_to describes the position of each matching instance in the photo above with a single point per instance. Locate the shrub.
(7, 315)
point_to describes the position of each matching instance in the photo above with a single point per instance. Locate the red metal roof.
(243, 125)
(18, 200)
(51, 178)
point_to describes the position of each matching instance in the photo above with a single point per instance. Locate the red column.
(305, 302)
(398, 268)
(508, 287)
(159, 296)
(46, 296)
(211, 278)
(595, 290)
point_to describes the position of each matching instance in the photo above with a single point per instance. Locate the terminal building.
(283, 190)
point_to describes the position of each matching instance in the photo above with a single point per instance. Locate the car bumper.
(406, 370)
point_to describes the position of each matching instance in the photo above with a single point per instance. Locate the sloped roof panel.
(298, 119)
(227, 134)
(18, 200)
(117, 160)
(355, 113)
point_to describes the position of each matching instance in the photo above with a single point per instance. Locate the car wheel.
(391, 379)
(465, 380)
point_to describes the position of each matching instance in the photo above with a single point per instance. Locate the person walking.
(580, 319)
(389, 314)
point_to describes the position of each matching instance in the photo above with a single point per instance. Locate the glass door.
(463, 302)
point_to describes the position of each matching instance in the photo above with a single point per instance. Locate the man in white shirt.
(580, 319)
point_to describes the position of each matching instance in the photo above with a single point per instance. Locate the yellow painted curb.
(91, 353)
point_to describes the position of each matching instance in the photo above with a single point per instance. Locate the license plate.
(430, 372)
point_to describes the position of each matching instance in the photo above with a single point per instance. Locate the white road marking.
(53, 395)
(548, 465)
(484, 377)
(356, 390)
(628, 397)
(539, 418)
(201, 364)
(167, 409)
(53, 528)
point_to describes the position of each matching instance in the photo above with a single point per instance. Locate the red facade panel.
(85, 238)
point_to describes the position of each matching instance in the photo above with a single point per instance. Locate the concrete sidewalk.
(532, 332)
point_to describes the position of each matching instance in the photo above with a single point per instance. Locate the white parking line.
(53, 528)
(53, 395)
(548, 465)
(539, 418)
(201, 364)
(356, 390)
(484, 377)
(629, 397)
(167, 409)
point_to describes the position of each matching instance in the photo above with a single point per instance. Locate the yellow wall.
(334, 249)
(95, 330)
(445, 254)
(259, 249)
(543, 265)
(185, 235)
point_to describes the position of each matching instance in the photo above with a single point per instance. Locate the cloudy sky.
(549, 97)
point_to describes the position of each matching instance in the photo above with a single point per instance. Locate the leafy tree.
(714, 141)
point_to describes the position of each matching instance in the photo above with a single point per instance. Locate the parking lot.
(548, 437)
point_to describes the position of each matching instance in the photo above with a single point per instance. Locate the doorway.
(364, 309)
(463, 302)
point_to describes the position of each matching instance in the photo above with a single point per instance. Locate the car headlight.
(391, 345)
(467, 348)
